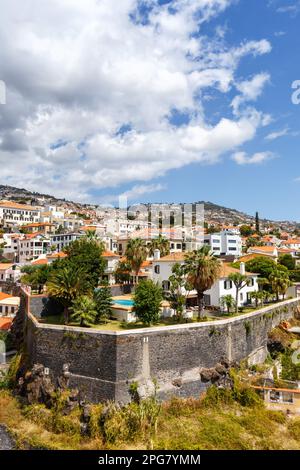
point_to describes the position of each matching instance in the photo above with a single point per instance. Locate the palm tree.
(280, 282)
(228, 302)
(91, 234)
(160, 243)
(65, 285)
(136, 254)
(240, 281)
(84, 310)
(202, 269)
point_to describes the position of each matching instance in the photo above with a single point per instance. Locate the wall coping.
(164, 329)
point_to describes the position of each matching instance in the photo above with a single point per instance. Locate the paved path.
(6, 442)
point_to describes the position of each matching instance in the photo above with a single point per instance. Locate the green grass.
(115, 325)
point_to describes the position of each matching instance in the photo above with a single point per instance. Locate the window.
(241, 297)
(232, 241)
(157, 269)
(232, 249)
(166, 285)
(251, 282)
(227, 285)
(215, 240)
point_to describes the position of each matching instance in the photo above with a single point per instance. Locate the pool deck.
(129, 308)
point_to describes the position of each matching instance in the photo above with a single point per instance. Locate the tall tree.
(136, 254)
(202, 269)
(240, 281)
(280, 282)
(65, 284)
(257, 225)
(103, 302)
(122, 272)
(179, 289)
(160, 243)
(86, 253)
(147, 302)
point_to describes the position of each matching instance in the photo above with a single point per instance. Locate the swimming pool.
(127, 302)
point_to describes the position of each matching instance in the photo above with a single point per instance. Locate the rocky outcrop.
(37, 386)
(218, 375)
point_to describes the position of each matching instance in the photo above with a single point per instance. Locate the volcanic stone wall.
(103, 364)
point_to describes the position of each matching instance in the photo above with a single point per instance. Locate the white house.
(31, 247)
(111, 261)
(9, 272)
(224, 243)
(8, 305)
(162, 270)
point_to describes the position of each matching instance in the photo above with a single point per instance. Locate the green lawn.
(115, 325)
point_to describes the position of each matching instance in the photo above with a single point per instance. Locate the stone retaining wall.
(104, 363)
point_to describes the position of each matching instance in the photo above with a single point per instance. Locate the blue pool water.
(127, 302)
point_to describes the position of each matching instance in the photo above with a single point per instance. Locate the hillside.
(213, 212)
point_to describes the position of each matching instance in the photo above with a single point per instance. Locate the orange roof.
(5, 323)
(4, 296)
(266, 249)
(178, 256)
(146, 264)
(286, 250)
(5, 266)
(226, 270)
(86, 228)
(110, 254)
(57, 255)
(15, 205)
(29, 236)
(251, 256)
(38, 224)
(292, 241)
(40, 261)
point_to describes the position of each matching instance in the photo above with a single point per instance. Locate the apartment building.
(224, 243)
(62, 240)
(31, 246)
(12, 214)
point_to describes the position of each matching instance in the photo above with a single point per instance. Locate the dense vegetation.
(223, 419)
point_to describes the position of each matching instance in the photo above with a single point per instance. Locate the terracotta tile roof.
(57, 255)
(178, 256)
(39, 261)
(5, 323)
(4, 296)
(291, 241)
(30, 236)
(263, 249)
(226, 270)
(38, 224)
(15, 205)
(5, 266)
(110, 254)
(251, 256)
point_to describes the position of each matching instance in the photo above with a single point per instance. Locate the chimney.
(242, 269)
(156, 255)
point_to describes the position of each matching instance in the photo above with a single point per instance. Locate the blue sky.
(160, 101)
(270, 187)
